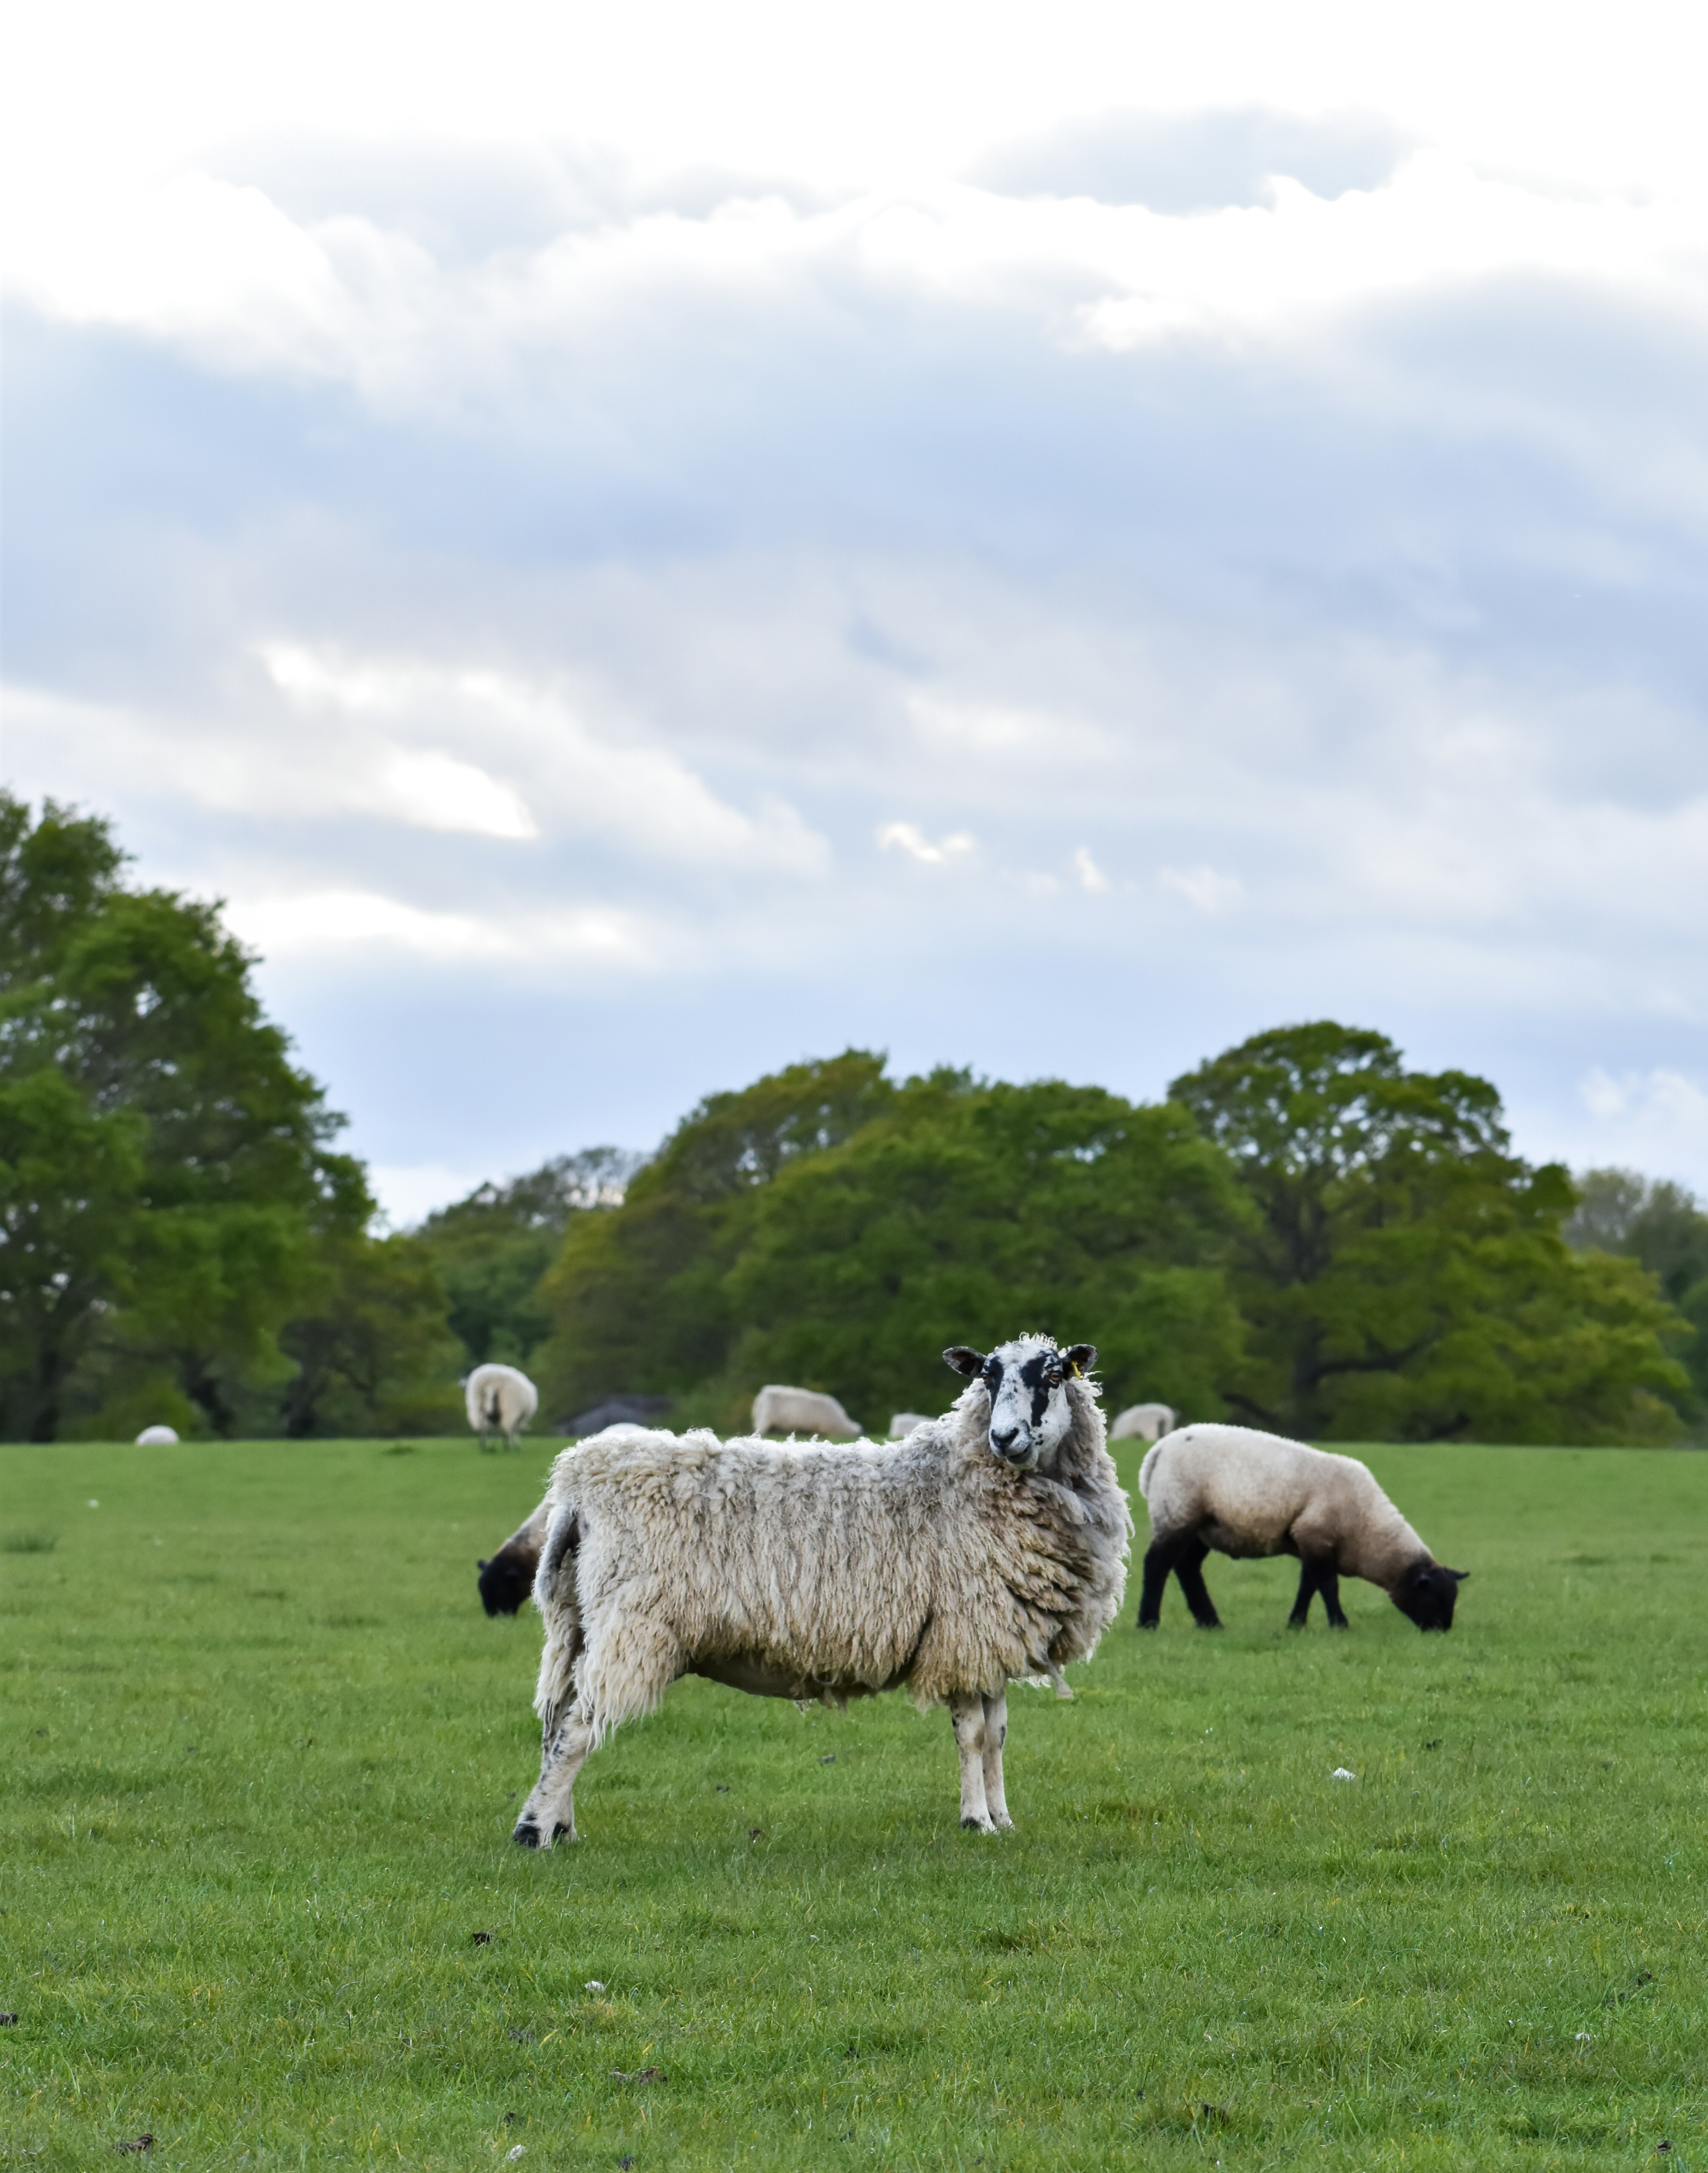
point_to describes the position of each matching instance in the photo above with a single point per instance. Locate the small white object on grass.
(593, 1985)
(93, 1503)
(520, 2151)
(1341, 1773)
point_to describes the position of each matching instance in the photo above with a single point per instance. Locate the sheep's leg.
(995, 1735)
(1307, 1592)
(1188, 1567)
(1328, 1584)
(1158, 1561)
(549, 1814)
(968, 1716)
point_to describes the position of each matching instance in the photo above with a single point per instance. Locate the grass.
(262, 1753)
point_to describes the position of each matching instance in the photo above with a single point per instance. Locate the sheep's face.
(1027, 1383)
(1426, 1594)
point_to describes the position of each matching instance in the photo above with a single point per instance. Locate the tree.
(968, 1212)
(167, 1171)
(1404, 1276)
(1662, 1227)
(832, 1228)
(636, 1296)
(373, 1352)
(492, 1249)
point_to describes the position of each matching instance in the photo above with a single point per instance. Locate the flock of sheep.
(966, 1552)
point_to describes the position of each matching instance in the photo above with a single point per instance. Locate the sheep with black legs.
(990, 1545)
(1246, 1493)
(500, 1400)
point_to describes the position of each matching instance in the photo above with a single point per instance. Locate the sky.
(633, 545)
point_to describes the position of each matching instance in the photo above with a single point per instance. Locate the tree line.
(1304, 1235)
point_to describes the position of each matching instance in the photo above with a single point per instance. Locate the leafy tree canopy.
(492, 1249)
(1662, 1227)
(166, 1174)
(1404, 1276)
(832, 1228)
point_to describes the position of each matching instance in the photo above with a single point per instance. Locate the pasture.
(263, 1750)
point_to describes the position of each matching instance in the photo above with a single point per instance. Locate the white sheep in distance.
(1145, 1422)
(501, 1401)
(1246, 1493)
(801, 1410)
(990, 1545)
(903, 1423)
(157, 1436)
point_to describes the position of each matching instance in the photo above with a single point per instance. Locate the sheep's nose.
(1002, 1439)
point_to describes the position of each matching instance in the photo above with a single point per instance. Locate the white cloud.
(1091, 876)
(1655, 1120)
(909, 838)
(321, 922)
(438, 792)
(1203, 888)
(408, 1191)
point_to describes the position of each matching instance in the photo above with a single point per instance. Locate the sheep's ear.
(1080, 1358)
(1461, 1574)
(962, 1358)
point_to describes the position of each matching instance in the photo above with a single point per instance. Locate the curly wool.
(826, 1571)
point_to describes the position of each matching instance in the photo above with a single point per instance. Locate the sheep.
(157, 1436)
(1145, 1422)
(501, 1401)
(903, 1423)
(801, 1410)
(992, 1544)
(1247, 1493)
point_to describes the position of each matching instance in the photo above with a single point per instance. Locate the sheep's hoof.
(976, 1826)
(1155, 1623)
(1003, 1823)
(527, 1836)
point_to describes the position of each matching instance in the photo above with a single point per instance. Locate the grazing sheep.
(156, 1437)
(991, 1543)
(904, 1423)
(801, 1410)
(1246, 1493)
(1145, 1422)
(500, 1401)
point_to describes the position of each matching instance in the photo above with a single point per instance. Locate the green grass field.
(262, 1752)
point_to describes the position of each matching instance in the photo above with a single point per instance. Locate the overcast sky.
(632, 545)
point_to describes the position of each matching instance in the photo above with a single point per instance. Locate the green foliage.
(636, 1297)
(965, 1213)
(374, 1353)
(1662, 1227)
(263, 1754)
(832, 1229)
(165, 1176)
(492, 1249)
(1405, 1277)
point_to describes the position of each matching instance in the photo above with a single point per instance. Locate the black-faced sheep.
(990, 1545)
(500, 1401)
(1246, 1493)
(801, 1410)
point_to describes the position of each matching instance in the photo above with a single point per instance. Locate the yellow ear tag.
(1073, 1369)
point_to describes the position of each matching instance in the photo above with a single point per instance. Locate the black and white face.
(1026, 1381)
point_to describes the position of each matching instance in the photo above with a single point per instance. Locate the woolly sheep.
(1246, 1493)
(992, 1544)
(903, 1423)
(801, 1410)
(156, 1437)
(500, 1401)
(1145, 1422)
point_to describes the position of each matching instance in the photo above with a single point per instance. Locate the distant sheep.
(903, 1423)
(1245, 1493)
(1145, 1422)
(991, 1543)
(500, 1402)
(801, 1410)
(156, 1437)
